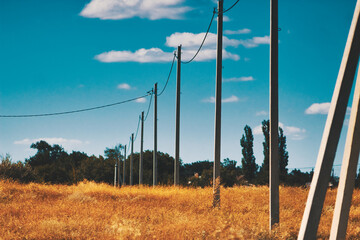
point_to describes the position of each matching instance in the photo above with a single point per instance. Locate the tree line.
(52, 164)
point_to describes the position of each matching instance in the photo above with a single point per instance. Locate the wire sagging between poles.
(207, 32)
(224, 11)
(172, 65)
(137, 129)
(73, 111)
(151, 96)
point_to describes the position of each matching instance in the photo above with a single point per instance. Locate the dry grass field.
(99, 211)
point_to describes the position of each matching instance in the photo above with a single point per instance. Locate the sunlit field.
(99, 211)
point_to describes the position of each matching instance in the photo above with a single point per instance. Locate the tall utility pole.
(115, 174)
(124, 166)
(332, 130)
(141, 163)
(274, 117)
(119, 173)
(177, 122)
(348, 170)
(131, 160)
(217, 155)
(155, 138)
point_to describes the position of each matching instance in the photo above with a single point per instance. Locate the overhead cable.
(224, 11)
(137, 129)
(207, 32)
(151, 96)
(73, 111)
(172, 65)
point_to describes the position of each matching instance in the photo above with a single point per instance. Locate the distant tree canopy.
(52, 164)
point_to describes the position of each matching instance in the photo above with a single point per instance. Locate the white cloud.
(124, 86)
(261, 113)
(141, 100)
(240, 31)
(257, 130)
(294, 133)
(318, 108)
(66, 143)
(233, 98)
(209, 100)
(230, 99)
(193, 40)
(322, 108)
(142, 55)
(190, 43)
(122, 9)
(239, 79)
(291, 132)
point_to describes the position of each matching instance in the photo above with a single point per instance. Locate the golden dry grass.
(99, 211)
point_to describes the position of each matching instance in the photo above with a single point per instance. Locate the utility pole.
(131, 159)
(348, 170)
(274, 117)
(119, 173)
(155, 138)
(217, 154)
(177, 121)
(124, 166)
(115, 174)
(141, 163)
(332, 130)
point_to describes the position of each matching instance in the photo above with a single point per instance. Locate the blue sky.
(66, 55)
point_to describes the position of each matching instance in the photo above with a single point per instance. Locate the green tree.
(50, 163)
(283, 155)
(249, 166)
(263, 177)
(229, 173)
(15, 171)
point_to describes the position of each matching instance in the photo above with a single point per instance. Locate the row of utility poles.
(312, 213)
(274, 125)
(274, 122)
(177, 139)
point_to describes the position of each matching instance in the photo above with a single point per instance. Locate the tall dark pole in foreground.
(217, 155)
(274, 117)
(141, 163)
(177, 123)
(155, 138)
(131, 160)
(124, 166)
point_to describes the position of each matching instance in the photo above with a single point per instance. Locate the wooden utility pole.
(217, 152)
(331, 135)
(131, 160)
(155, 138)
(274, 118)
(348, 170)
(124, 166)
(177, 121)
(141, 163)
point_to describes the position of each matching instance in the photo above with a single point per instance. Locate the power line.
(73, 111)
(231, 7)
(172, 65)
(137, 129)
(335, 165)
(212, 18)
(151, 96)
